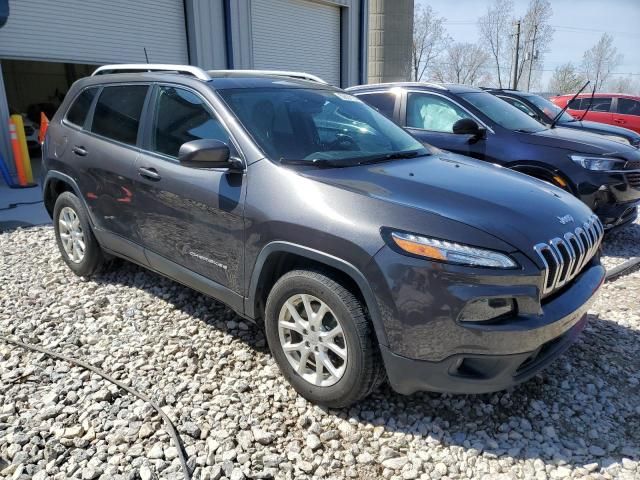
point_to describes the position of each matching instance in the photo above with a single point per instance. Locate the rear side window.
(626, 106)
(118, 111)
(77, 114)
(383, 102)
(181, 117)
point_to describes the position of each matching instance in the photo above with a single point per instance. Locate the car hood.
(578, 141)
(603, 128)
(511, 206)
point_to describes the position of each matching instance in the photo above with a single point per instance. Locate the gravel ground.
(239, 419)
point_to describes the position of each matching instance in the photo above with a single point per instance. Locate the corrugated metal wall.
(95, 31)
(297, 35)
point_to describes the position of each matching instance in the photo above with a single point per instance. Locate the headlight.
(450, 252)
(598, 163)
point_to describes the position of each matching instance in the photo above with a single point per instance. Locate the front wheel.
(321, 339)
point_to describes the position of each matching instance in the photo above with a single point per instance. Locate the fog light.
(487, 309)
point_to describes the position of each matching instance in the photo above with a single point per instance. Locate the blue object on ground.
(5, 173)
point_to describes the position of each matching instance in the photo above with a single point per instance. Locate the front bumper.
(613, 196)
(430, 349)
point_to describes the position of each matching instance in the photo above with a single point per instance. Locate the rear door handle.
(150, 173)
(80, 151)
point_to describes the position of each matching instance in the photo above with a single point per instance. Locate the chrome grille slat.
(565, 257)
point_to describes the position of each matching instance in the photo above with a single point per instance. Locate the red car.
(612, 108)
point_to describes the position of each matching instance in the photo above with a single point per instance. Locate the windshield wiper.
(316, 162)
(564, 109)
(391, 156)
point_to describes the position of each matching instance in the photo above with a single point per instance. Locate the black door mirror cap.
(468, 126)
(207, 153)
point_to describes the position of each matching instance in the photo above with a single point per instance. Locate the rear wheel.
(77, 244)
(321, 339)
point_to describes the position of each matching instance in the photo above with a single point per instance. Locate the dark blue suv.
(602, 173)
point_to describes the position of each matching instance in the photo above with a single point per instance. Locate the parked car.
(360, 252)
(611, 108)
(602, 173)
(545, 111)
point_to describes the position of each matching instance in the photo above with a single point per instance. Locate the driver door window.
(430, 112)
(181, 117)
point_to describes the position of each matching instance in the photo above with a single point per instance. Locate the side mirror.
(206, 153)
(467, 126)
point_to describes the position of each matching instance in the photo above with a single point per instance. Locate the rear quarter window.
(77, 113)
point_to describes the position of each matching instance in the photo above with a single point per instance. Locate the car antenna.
(586, 110)
(145, 54)
(557, 117)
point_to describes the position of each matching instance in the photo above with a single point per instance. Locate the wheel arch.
(56, 183)
(277, 258)
(543, 171)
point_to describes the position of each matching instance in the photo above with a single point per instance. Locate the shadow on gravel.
(584, 408)
(623, 242)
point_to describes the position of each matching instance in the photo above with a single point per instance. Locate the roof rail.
(277, 73)
(153, 67)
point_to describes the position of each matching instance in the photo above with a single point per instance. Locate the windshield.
(314, 125)
(503, 113)
(549, 108)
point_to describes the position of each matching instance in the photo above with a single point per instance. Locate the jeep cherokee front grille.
(564, 258)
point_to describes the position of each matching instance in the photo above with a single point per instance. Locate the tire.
(361, 370)
(92, 258)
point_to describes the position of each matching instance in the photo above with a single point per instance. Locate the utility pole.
(534, 55)
(514, 80)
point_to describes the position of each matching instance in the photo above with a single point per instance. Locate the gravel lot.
(239, 419)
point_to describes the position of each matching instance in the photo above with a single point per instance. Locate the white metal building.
(46, 45)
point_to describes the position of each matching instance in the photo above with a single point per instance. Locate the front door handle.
(619, 121)
(80, 151)
(149, 173)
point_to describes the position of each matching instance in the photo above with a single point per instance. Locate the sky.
(578, 26)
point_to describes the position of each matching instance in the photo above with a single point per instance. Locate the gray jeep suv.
(361, 252)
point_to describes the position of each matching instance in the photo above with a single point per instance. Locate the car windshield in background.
(502, 113)
(549, 108)
(318, 126)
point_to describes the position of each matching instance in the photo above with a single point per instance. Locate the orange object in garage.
(17, 153)
(44, 125)
(22, 142)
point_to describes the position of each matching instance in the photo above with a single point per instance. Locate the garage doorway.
(33, 87)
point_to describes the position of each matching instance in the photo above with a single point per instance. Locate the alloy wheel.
(313, 340)
(71, 234)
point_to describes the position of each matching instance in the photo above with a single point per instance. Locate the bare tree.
(565, 79)
(429, 40)
(600, 60)
(495, 28)
(623, 85)
(464, 63)
(536, 36)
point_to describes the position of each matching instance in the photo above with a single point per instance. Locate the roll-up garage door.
(95, 31)
(297, 35)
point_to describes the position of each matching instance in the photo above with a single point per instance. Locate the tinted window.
(598, 104)
(383, 102)
(626, 106)
(316, 124)
(550, 109)
(502, 113)
(575, 104)
(430, 112)
(117, 113)
(520, 106)
(181, 117)
(78, 111)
